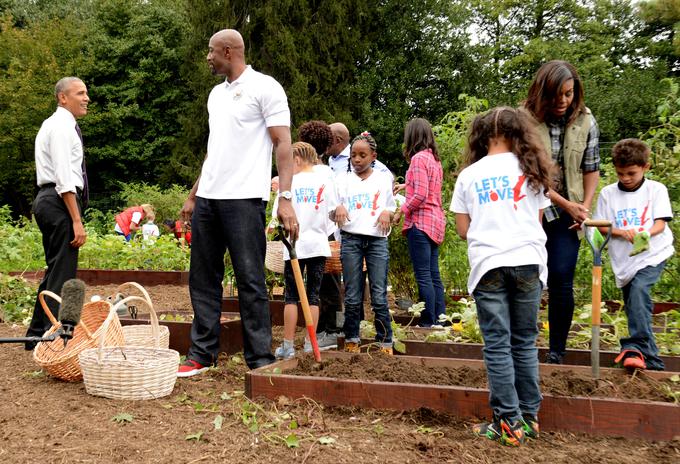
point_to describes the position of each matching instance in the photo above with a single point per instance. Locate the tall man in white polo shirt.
(248, 117)
(57, 207)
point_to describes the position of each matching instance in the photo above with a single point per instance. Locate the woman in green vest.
(570, 133)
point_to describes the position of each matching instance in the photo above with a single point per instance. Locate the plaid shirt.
(423, 207)
(591, 155)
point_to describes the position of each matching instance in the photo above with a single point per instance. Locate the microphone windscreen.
(72, 298)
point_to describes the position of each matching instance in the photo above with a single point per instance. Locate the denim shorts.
(315, 267)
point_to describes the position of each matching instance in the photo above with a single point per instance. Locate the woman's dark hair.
(547, 84)
(515, 126)
(418, 136)
(316, 133)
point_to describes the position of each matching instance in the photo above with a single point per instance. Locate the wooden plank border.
(474, 351)
(113, 276)
(596, 416)
(231, 335)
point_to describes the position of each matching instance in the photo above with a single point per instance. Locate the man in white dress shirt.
(57, 207)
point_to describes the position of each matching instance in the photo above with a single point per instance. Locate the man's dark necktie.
(85, 197)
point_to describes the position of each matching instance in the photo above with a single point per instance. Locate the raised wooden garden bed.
(112, 276)
(230, 304)
(652, 420)
(474, 351)
(231, 336)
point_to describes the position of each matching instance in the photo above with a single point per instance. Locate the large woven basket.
(128, 372)
(62, 361)
(144, 335)
(273, 260)
(333, 264)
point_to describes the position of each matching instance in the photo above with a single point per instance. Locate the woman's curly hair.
(316, 133)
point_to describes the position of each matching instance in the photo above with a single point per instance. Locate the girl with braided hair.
(364, 216)
(313, 200)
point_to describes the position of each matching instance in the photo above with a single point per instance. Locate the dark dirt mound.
(383, 368)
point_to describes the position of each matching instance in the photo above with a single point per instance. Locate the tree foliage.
(371, 64)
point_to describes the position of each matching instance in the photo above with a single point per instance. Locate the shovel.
(597, 244)
(302, 292)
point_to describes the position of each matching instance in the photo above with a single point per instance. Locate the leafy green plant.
(113, 252)
(17, 298)
(167, 202)
(122, 418)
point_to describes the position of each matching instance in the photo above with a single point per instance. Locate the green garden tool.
(640, 243)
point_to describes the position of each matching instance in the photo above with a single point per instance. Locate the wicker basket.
(273, 260)
(144, 335)
(334, 264)
(62, 362)
(128, 372)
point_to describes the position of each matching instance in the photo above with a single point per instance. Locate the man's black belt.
(79, 191)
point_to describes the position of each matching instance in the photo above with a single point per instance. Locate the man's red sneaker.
(190, 368)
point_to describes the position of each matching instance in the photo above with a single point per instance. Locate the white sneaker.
(326, 341)
(284, 352)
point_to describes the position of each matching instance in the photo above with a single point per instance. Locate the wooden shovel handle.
(597, 223)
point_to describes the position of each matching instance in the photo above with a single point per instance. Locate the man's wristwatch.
(286, 195)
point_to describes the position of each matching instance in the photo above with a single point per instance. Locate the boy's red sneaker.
(190, 368)
(632, 359)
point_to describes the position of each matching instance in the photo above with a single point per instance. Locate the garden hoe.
(300, 284)
(597, 244)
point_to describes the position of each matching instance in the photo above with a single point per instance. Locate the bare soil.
(46, 420)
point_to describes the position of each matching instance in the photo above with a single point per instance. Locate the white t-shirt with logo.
(365, 200)
(239, 160)
(636, 210)
(504, 217)
(313, 198)
(150, 230)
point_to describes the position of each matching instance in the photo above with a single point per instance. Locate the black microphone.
(72, 297)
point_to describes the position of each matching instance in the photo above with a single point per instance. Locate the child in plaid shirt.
(424, 220)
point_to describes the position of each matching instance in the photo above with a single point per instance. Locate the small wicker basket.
(62, 361)
(333, 264)
(128, 372)
(144, 335)
(273, 260)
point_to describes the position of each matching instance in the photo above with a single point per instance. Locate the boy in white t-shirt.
(313, 197)
(499, 200)
(641, 243)
(364, 217)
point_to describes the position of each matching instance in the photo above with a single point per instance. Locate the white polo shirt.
(239, 160)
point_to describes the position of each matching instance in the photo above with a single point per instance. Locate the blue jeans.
(237, 225)
(562, 247)
(353, 249)
(639, 309)
(425, 257)
(507, 300)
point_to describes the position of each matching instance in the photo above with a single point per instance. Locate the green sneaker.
(502, 431)
(530, 426)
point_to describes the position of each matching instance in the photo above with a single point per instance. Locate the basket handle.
(50, 316)
(155, 330)
(141, 289)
